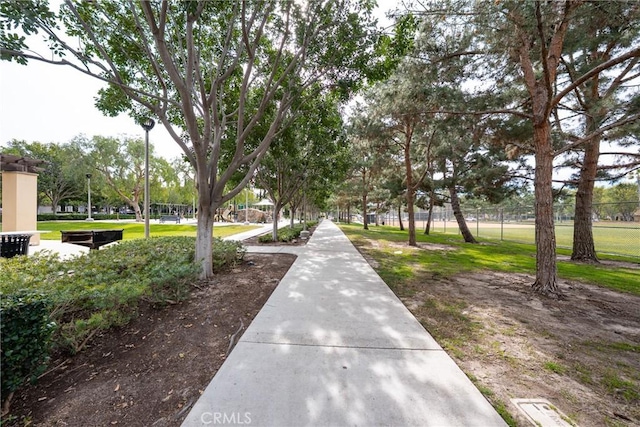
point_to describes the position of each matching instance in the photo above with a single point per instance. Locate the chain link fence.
(616, 226)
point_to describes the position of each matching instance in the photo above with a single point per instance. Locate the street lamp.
(89, 196)
(246, 205)
(147, 125)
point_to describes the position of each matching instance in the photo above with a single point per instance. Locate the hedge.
(26, 339)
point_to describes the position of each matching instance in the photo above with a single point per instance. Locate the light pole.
(147, 125)
(246, 205)
(89, 196)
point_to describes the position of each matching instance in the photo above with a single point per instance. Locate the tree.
(398, 121)
(207, 70)
(62, 177)
(604, 99)
(366, 159)
(532, 35)
(516, 44)
(623, 198)
(311, 149)
(120, 162)
(471, 164)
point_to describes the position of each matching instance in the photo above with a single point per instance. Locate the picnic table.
(91, 239)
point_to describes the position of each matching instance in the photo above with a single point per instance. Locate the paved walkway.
(333, 346)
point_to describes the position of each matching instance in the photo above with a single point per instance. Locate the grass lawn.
(398, 262)
(135, 230)
(609, 237)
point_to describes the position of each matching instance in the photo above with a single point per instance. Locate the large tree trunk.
(546, 270)
(457, 212)
(427, 227)
(204, 239)
(583, 245)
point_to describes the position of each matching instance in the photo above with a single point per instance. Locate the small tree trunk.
(412, 219)
(427, 228)
(457, 212)
(204, 240)
(400, 216)
(277, 207)
(410, 190)
(364, 211)
(546, 269)
(349, 213)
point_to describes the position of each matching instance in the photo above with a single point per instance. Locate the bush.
(26, 338)
(287, 234)
(266, 238)
(227, 253)
(101, 289)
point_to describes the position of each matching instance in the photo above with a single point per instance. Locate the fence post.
(501, 224)
(477, 222)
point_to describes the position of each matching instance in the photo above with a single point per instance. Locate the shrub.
(287, 234)
(266, 238)
(101, 289)
(227, 253)
(26, 338)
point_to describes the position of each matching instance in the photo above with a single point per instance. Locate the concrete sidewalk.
(333, 346)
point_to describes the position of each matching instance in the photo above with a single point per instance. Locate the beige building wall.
(20, 203)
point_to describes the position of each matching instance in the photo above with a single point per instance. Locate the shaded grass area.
(135, 230)
(397, 260)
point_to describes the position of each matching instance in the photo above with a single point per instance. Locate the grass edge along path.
(135, 230)
(508, 257)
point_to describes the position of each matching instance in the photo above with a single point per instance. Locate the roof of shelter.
(9, 162)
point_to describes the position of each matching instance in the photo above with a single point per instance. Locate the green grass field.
(609, 237)
(403, 261)
(134, 230)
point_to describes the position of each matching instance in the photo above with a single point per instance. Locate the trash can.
(14, 244)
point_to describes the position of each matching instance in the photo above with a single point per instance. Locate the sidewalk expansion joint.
(341, 346)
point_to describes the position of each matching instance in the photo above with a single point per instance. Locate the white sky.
(53, 103)
(49, 103)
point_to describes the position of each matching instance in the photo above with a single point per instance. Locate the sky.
(53, 103)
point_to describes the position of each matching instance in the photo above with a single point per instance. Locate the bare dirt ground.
(582, 353)
(152, 371)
